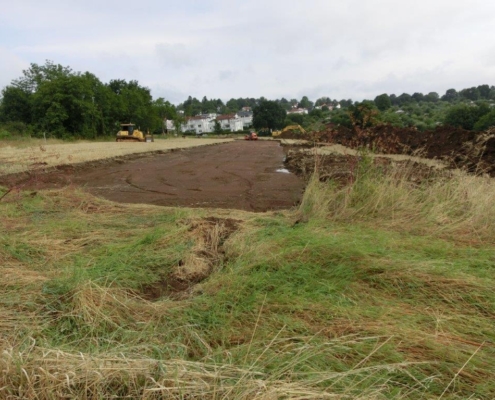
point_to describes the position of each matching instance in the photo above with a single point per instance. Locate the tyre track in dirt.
(238, 175)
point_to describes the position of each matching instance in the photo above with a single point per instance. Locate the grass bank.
(379, 289)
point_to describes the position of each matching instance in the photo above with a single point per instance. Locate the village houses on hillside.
(205, 123)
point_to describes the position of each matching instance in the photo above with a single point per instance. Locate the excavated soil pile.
(473, 151)
(343, 169)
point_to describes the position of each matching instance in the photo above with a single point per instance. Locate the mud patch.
(236, 175)
(207, 256)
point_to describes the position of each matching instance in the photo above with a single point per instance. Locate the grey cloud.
(174, 55)
(226, 75)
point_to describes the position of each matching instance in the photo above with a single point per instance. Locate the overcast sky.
(226, 48)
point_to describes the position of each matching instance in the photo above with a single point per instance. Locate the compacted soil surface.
(239, 175)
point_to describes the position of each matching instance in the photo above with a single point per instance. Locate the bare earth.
(239, 175)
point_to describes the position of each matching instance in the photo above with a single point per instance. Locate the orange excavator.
(251, 136)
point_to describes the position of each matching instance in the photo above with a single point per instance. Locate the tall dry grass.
(445, 203)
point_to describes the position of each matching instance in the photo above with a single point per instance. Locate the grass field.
(22, 156)
(382, 289)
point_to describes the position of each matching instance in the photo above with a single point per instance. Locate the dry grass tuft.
(43, 373)
(15, 160)
(207, 254)
(447, 204)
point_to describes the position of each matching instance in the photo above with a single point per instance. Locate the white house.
(329, 106)
(297, 111)
(230, 122)
(246, 117)
(168, 124)
(199, 124)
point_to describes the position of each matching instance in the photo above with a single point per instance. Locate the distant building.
(246, 117)
(168, 124)
(329, 106)
(205, 123)
(230, 122)
(297, 111)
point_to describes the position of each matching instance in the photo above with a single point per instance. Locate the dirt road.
(240, 175)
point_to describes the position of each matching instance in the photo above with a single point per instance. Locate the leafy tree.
(232, 106)
(486, 121)
(217, 128)
(268, 114)
(450, 95)
(418, 96)
(432, 97)
(16, 105)
(36, 74)
(345, 103)
(404, 98)
(472, 93)
(305, 102)
(484, 91)
(132, 103)
(363, 115)
(341, 118)
(163, 111)
(66, 106)
(294, 119)
(465, 116)
(383, 102)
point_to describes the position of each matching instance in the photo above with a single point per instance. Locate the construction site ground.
(237, 175)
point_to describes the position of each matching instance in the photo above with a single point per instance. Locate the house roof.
(245, 113)
(226, 117)
(196, 118)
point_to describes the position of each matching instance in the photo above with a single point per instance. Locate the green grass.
(339, 299)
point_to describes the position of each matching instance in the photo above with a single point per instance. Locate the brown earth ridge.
(459, 148)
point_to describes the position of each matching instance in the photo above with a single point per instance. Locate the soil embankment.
(468, 150)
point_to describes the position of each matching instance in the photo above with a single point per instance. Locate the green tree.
(232, 106)
(305, 102)
(418, 96)
(383, 102)
(16, 105)
(163, 111)
(472, 93)
(66, 106)
(485, 122)
(465, 116)
(404, 98)
(132, 103)
(217, 128)
(268, 114)
(363, 115)
(295, 119)
(450, 95)
(36, 74)
(432, 97)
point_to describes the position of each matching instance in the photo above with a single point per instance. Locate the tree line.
(55, 100)
(62, 103)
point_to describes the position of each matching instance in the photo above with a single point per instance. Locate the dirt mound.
(473, 151)
(343, 169)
